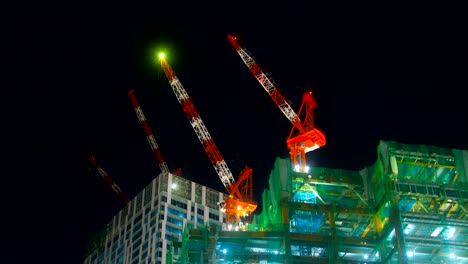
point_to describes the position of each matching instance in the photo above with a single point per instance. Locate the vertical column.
(287, 238)
(221, 214)
(395, 218)
(153, 245)
(189, 210)
(119, 223)
(153, 194)
(332, 249)
(169, 188)
(163, 235)
(129, 207)
(206, 214)
(134, 207)
(127, 258)
(126, 241)
(195, 215)
(203, 195)
(164, 250)
(461, 163)
(192, 196)
(381, 250)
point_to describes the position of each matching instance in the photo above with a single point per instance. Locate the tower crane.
(109, 180)
(304, 136)
(148, 133)
(239, 202)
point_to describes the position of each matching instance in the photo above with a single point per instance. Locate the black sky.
(378, 71)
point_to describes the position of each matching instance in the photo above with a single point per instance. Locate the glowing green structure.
(410, 206)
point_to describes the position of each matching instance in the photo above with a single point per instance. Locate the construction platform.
(410, 206)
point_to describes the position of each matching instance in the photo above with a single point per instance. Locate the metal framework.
(309, 138)
(148, 133)
(240, 201)
(304, 137)
(109, 180)
(409, 207)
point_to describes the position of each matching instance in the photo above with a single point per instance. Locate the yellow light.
(161, 55)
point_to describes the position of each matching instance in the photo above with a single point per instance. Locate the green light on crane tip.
(161, 55)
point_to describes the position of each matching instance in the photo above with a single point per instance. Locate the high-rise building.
(146, 230)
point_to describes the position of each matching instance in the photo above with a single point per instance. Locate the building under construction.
(410, 206)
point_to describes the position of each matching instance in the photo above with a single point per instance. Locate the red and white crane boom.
(267, 83)
(239, 201)
(109, 180)
(148, 133)
(200, 129)
(304, 136)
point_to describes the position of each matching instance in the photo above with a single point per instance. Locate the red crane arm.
(148, 133)
(239, 202)
(109, 180)
(267, 83)
(304, 137)
(199, 127)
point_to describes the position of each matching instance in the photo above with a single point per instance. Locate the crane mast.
(304, 137)
(148, 133)
(109, 180)
(240, 199)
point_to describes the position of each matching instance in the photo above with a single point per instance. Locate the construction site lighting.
(161, 55)
(408, 229)
(451, 232)
(174, 185)
(437, 231)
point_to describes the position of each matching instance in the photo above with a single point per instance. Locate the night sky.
(378, 72)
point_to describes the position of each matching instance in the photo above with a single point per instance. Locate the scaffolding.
(410, 206)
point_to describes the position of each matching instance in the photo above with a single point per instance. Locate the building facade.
(149, 228)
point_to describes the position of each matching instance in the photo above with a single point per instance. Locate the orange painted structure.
(305, 137)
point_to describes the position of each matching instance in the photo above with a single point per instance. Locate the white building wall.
(143, 231)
